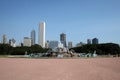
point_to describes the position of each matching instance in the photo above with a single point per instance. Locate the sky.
(78, 19)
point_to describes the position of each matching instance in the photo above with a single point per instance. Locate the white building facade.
(4, 39)
(27, 42)
(41, 35)
(12, 42)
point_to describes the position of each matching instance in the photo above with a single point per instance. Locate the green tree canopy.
(107, 48)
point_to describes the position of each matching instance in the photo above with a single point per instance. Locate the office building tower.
(88, 41)
(4, 39)
(12, 42)
(53, 44)
(47, 44)
(27, 42)
(41, 35)
(70, 45)
(63, 39)
(33, 37)
(95, 41)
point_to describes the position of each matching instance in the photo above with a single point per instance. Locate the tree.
(6, 49)
(102, 49)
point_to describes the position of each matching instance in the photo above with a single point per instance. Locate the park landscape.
(59, 40)
(100, 68)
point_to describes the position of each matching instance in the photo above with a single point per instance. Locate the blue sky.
(79, 19)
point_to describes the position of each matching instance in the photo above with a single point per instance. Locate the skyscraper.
(53, 44)
(88, 41)
(47, 44)
(12, 42)
(4, 39)
(33, 37)
(63, 39)
(27, 41)
(41, 35)
(95, 41)
(70, 45)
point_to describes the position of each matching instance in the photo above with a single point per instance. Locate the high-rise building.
(53, 44)
(33, 37)
(95, 41)
(41, 35)
(27, 41)
(70, 45)
(63, 39)
(47, 44)
(88, 41)
(12, 42)
(4, 39)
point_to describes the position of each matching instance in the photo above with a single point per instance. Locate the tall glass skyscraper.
(41, 35)
(88, 41)
(33, 37)
(95, 41)
(63, 39)
(53, 44)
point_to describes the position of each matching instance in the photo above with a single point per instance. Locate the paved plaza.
(60, 69)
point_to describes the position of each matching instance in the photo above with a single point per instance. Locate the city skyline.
(79, 20)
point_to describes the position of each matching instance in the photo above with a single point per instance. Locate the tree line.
(101, 49)
(6, 49)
